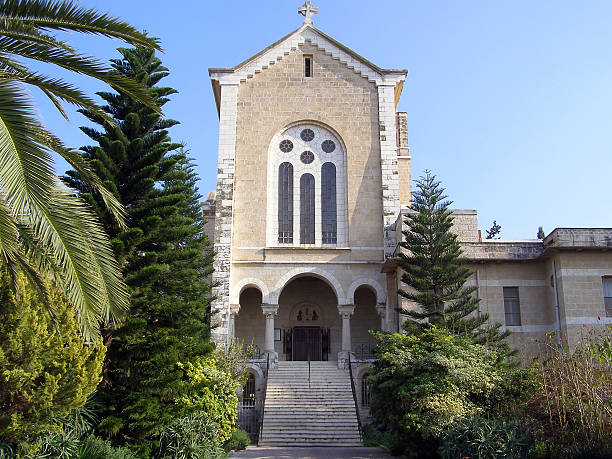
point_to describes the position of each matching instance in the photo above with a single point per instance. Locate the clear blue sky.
(509, 102)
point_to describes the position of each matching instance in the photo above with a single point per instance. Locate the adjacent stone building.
(313, 182)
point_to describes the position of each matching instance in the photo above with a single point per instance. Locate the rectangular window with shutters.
(607, 294)
(512, 306)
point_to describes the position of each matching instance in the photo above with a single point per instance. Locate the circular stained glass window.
(286, 146)
(328, 146)
(307, 157)
(307, 135)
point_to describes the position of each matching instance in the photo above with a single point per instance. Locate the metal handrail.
(263, 400)
(355, 396)
(309, 368)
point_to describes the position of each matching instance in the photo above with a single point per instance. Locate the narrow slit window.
(285, 203)
(307, 209)
(307, 66)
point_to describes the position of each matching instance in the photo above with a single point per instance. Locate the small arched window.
(285, 203)
(329, 215)
(307, 209)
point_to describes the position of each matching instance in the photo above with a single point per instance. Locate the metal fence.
(250, 418)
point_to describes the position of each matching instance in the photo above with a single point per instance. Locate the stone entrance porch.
(307, 323)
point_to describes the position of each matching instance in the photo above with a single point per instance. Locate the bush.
(212, 386)
(46, 370)
(191, 437)
(373, 437)
(239, 441)
(571, 409)
(479, 438)
(422, 383)
(95, 448)
(57, 445)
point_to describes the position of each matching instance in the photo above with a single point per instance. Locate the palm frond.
(56, 89)
(81, 250)
(27, 32)
(77, 63)
(68, 16)
(26, 167)
(12, 255)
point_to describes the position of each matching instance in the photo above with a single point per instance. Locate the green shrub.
(239, 441)
(46, 370)
(480, 438)
(96, 448)
(192, 437)
(57, 445)
(422, 383)
(212, 391)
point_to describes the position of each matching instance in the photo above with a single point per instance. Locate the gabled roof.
(307, 32)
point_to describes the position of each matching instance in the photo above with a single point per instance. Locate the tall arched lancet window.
(329, 214)
(307, 178)
(307, 209)
(285, 203)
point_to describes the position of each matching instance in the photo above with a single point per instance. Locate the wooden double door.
(306, 343)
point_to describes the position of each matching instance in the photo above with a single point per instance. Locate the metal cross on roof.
(307, 10)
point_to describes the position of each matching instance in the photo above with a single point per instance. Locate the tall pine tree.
(435, 271)
(162, 253)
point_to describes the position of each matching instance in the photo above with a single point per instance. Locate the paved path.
(269, 452)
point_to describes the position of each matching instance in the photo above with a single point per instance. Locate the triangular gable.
(306, 33)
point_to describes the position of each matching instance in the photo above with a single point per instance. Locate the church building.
(313, 174)
(314, 182)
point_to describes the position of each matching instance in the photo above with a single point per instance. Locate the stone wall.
(336, 96)
(403, 159)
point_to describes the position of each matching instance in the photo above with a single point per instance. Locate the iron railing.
(364, 351)
(249, 418)
(263, 399)
(350, 365)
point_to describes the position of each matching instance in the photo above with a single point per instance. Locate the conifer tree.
(435, 271)
(163, 257)
(494, 231)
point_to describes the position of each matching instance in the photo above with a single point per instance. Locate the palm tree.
(44, 228)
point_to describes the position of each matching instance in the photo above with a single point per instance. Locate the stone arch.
(315, 272)
(381, 296)
(364, 370)
(245, 283)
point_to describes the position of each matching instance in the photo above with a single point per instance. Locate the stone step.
(309, 408)
(312, 444)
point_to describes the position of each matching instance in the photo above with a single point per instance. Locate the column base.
(343, 359)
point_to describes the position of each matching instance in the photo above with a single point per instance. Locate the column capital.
(234, 308)
(346, 309)
(381, 308)
(269, 309)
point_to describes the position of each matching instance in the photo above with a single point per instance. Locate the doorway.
(306, 343)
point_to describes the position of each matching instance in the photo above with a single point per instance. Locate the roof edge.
(335, 42)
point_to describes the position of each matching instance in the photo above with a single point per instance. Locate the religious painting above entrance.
(307, 314)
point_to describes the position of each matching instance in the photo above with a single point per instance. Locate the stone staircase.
(320, 415)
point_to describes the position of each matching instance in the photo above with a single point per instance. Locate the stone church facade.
(313, 185)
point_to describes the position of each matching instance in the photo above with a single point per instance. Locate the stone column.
(346, 311)
(270, 310)
(234, 309)
(381, 308)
